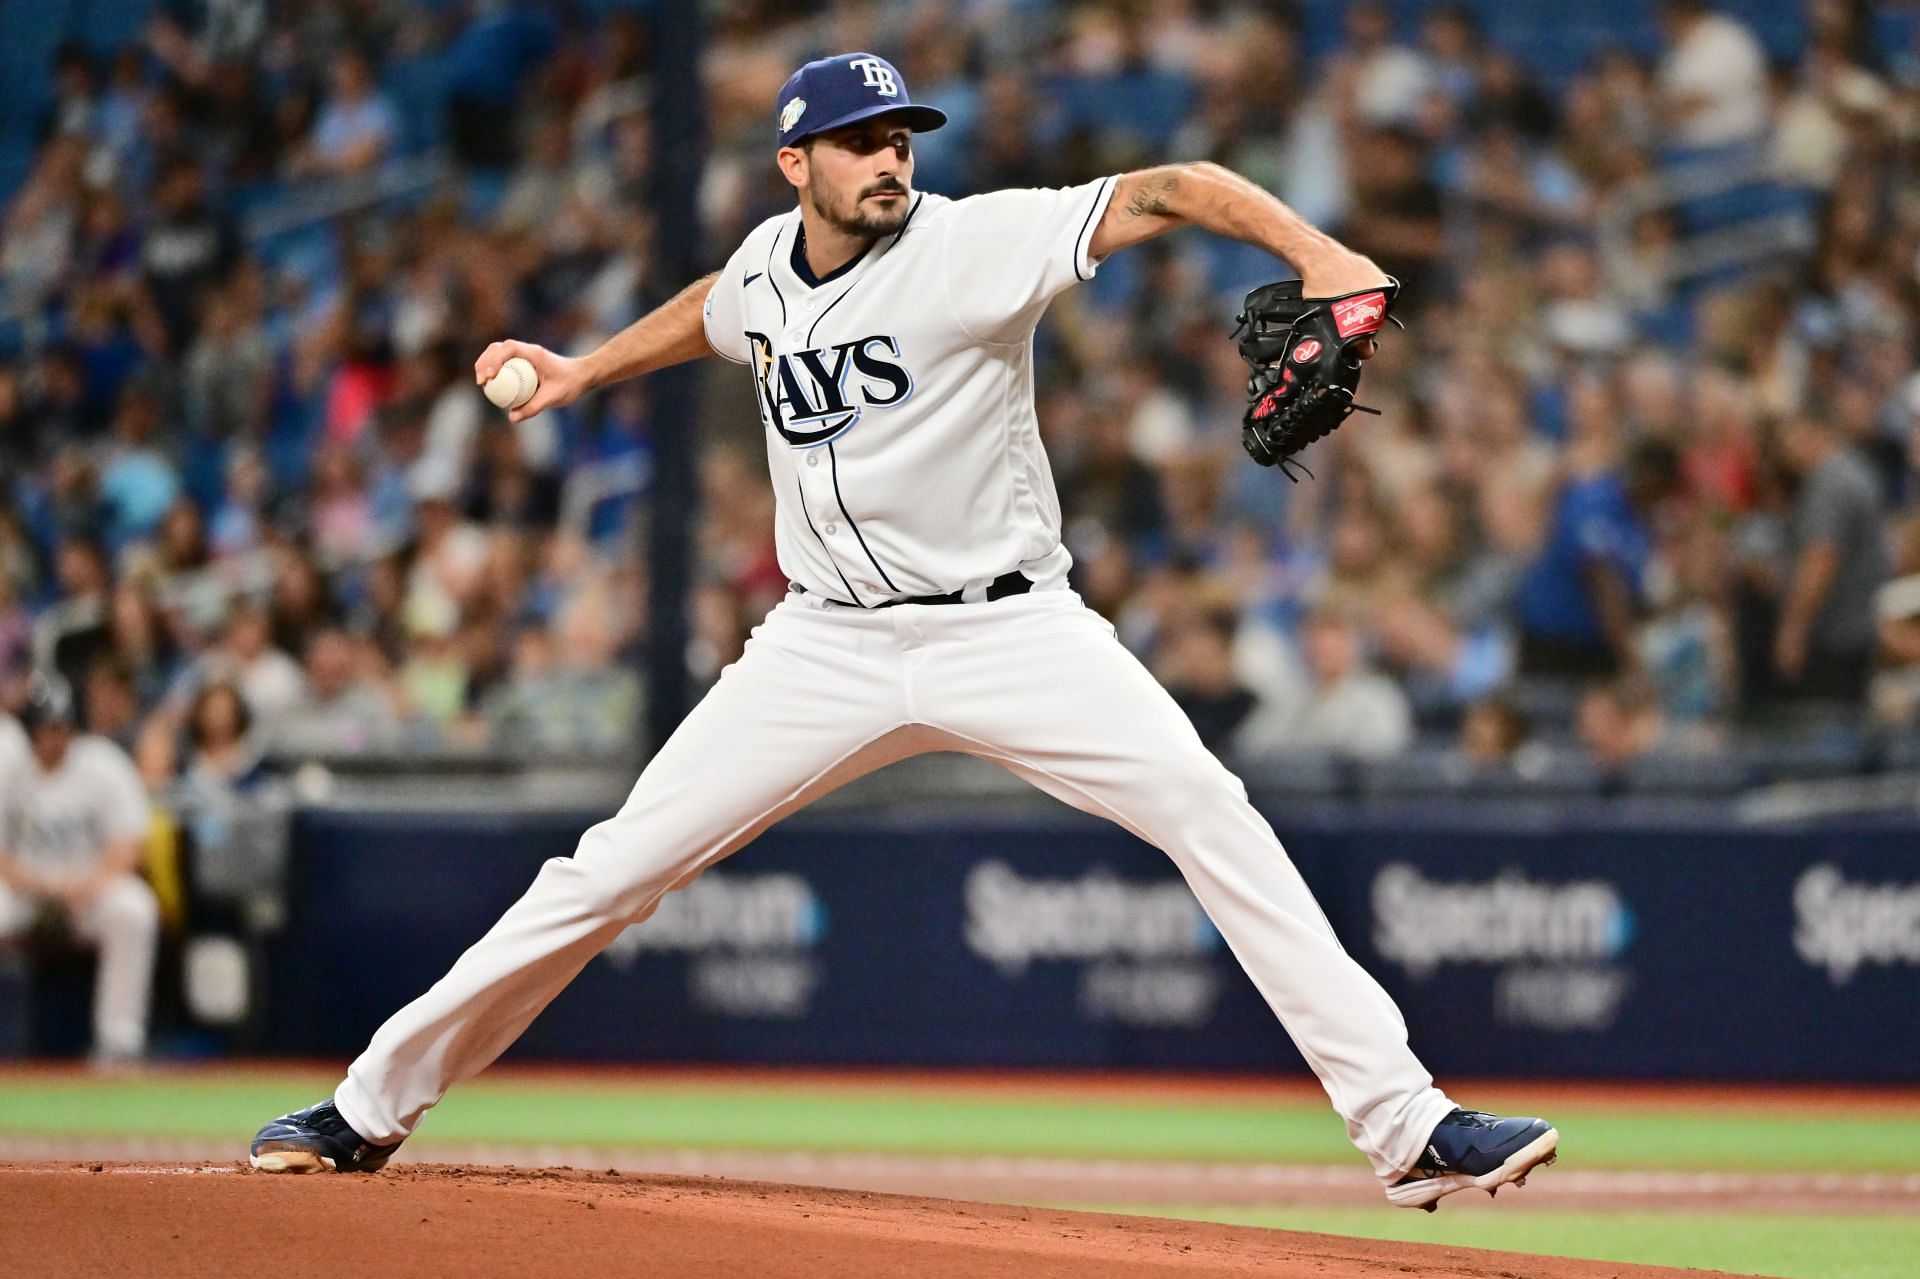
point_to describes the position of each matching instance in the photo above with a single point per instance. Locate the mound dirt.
(427, 1221)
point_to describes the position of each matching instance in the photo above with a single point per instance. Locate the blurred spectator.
(227, 802)
(1387, 82)
(1580, 319)
(1111, 485)
(301, 602)
(226, 758)
(1451, 39)
(341, 712)
(238, 523)
(1580, 600)
(1713, 76)
(720, 630)
(508, 490)
(356, 128)
(448, 555)
(1349, 711)
(1896, 606)
(563, 696)
(138, 482)
(1398, 210)
(340, 518)
(1193, 658)
(227, 375)
(1824, 645)
(269, 681)
(1621, 722)
(432, 680)
(41, 223)
(16, 627)
(1686, 647)
(1492, 733)
(72, 631)
(139, 639)
(189, 247)
(111, 708)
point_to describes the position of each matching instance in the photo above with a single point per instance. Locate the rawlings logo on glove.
(1305, 369)
(1356, 315)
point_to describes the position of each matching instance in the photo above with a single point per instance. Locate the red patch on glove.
(1357, 315)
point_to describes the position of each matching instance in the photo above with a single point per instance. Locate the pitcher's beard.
(868, 224)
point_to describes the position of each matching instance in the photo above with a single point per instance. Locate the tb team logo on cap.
(845, 89)
(879, 76)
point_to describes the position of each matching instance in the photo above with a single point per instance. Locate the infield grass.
(506, 1108)
(1800, 1247)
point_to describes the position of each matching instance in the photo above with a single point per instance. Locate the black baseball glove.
(1305, 368)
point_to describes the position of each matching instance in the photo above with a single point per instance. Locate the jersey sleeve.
(1009, 253)
(724, 313)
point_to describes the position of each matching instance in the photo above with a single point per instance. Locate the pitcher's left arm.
(1152, 202)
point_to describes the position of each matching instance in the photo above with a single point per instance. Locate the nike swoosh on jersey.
(750, 279)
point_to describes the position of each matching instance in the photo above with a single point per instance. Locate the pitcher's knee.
(1192, 789)
(612, 884)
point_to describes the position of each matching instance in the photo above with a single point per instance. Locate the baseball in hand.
(514, 384)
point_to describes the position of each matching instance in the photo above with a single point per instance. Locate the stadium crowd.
(1618, 503)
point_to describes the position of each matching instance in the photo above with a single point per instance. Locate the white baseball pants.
(825, 693)
(123, 923)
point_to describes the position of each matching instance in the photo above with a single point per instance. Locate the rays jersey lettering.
(925, 344)
(816, 395)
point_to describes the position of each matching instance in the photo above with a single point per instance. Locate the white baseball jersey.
(897, 393)
(15, 750)
(64, 819)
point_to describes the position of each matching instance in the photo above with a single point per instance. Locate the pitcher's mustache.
(883, 188)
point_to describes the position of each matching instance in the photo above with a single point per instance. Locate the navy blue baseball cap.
(840, 90)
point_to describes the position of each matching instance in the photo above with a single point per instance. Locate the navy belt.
(1014, 583)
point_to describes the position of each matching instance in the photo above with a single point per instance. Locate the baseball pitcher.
(889, 335)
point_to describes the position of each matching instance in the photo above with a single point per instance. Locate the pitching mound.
(426, 1221)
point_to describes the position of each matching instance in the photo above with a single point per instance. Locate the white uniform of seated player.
(73, 824)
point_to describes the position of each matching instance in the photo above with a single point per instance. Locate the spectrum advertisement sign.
(1703, 953)
(1583, 950)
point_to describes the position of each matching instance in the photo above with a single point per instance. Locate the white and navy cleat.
(1473, 1150)
(316, 1139)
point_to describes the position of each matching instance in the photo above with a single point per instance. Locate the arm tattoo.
(1150, 196)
